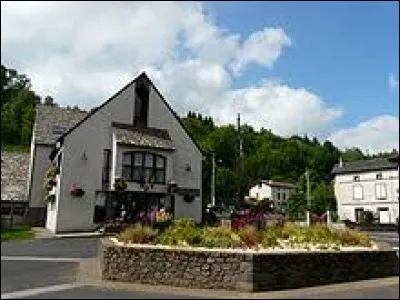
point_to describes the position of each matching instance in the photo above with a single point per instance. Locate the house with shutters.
(368, 185)
(135, 136)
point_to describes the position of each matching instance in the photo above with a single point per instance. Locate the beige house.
(368, 185)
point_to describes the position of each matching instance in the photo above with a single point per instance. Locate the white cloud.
(262, 47)
(393, 82)
(374, 135)
(83, 52)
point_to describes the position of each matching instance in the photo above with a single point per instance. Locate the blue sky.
(324, 69)
(344, 51)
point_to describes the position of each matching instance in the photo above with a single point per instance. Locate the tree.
(323, 198)
(18, 104)
(297, 202)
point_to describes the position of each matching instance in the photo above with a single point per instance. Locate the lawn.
(18, 232)
(15, 148)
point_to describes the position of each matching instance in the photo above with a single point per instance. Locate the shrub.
(367, 218)
(220, 237)
(270, 236)
(354, 238)
(181, 232)
(321, 234)
(250, 236)
(137, 234)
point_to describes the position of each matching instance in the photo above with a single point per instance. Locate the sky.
(324, 69)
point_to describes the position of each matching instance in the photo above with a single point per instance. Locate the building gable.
(142, 78)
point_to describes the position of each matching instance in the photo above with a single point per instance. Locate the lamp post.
(213, 180)
(308, 198)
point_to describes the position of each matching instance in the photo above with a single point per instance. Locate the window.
(141, 166)
(284, 196)
(379, 176)
(141, 108)
(357, 192)
(380, 191)
(278, 195)
(58, 130)
(356, 178)
(106, 169)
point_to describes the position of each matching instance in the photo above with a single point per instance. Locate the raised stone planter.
(240, 270)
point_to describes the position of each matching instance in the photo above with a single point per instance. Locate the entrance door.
(384, 216)
(357, 213)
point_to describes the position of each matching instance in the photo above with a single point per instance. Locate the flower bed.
(288, 236)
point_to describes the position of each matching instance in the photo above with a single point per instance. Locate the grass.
(15, 148)
(18, 232)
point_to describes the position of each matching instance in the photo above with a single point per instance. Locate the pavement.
(60, 268)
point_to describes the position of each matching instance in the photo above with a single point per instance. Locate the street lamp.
(213, 180)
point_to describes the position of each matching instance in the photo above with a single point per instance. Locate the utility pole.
(213, 181)
(308, 198)
(240, 159)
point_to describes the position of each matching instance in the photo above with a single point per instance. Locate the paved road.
(392, 238)
(65, 247)
(47, 269)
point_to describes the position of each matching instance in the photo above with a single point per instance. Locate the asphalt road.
(47, 268)
(57, 247)
(391, 238)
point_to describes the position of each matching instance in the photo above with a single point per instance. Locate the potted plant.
(76, 191)
(120, 184)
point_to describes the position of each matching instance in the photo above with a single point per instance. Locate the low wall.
(240, 271)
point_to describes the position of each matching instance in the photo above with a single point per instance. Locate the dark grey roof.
(278, 184)
(52, 121)
(14, 176)
(143, 137)
(365, 165)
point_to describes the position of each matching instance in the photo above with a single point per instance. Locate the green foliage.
(18, 232)
(181, 232)
(270, 236)
(120, 184)
(367, 218)
(49, 183)
(220, 237)
(15, 148)
(137, 234)
(18, 103)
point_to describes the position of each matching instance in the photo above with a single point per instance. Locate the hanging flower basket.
(76, 191)
(120, 184)
(50, 198)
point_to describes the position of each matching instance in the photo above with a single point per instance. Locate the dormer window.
(379, 176)
(58, 130)
(356, 178)
(141, 109)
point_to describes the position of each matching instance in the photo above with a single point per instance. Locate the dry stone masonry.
(239, 270)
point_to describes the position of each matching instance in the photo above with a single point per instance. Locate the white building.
(278, 192)
(135, 135)
(368, 185)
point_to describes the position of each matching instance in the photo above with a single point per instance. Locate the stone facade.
(240, 271)
(14, 176)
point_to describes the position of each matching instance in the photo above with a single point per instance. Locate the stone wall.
(240, 271)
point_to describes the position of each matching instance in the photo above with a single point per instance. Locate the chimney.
(340, 162)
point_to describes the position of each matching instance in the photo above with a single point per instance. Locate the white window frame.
(380, 191)
(354, 192)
